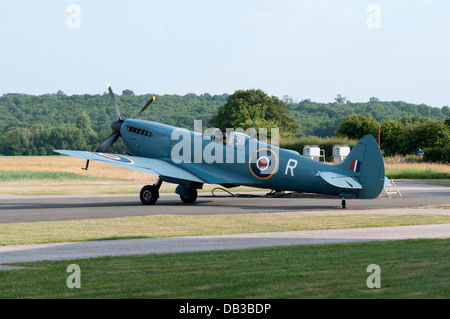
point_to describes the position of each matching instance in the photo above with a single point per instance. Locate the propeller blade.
(115, 126)
(108, 142)
(113, 99)
(144, 107)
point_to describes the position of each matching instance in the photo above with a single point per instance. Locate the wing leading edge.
(142, 164)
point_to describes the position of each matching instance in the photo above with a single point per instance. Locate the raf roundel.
(263, 163)
(114, 158)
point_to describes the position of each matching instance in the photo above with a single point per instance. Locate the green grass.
(409, 269)
(9, 176)
(415, 173)
(190, 225)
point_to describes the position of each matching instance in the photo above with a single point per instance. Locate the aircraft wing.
(340, 180)
(142, 164)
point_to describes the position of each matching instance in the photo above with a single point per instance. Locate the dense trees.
(41, 140)
(17, 109)
(35, 125)
(323, 119)
(357, 126)
(242, 107)
(390, 134)
(405, 136)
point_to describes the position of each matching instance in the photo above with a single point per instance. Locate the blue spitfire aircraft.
(191, 159)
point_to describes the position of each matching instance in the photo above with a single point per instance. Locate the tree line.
(403, 137)
(35, 125)
(323, 119)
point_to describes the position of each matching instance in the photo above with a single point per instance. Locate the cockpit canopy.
(234, 139)
(237, 140)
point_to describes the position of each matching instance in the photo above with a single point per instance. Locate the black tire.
(149, 195)
(191, 198)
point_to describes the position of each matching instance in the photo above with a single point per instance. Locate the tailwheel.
(191, 197)
(149, 194)
(343, 203)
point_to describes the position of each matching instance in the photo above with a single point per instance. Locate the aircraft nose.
(115, 126)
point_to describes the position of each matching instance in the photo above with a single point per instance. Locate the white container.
(340, 153)
(312, 152)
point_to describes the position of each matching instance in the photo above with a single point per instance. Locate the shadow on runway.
(247, 203)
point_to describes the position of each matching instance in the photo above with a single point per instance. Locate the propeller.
(113, 100)
(116, 125)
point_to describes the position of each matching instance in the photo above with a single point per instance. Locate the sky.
(306, 49)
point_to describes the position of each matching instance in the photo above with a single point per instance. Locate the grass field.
(409, 269)
(63, 175)
(421, 171)
(396, 169)
(68, 164)
(187, 225)
(24, 176)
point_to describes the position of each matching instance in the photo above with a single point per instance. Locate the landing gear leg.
(150, 193)
(343, 203)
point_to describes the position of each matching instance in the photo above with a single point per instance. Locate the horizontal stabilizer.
(340, 180)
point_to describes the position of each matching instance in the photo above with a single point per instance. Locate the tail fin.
(366, 164)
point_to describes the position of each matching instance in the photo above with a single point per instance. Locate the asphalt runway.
(16, 209)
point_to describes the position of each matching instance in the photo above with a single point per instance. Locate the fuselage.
(244, 162)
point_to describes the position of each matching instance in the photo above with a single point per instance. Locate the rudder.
(366, 164)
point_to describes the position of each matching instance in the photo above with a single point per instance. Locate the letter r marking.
(292, 163)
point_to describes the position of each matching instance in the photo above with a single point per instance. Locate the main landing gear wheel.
(191, 198)
(149, 195)
(343, 203)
